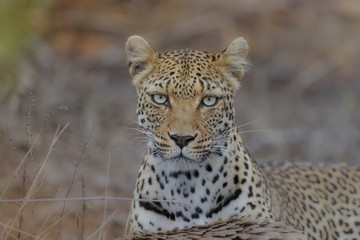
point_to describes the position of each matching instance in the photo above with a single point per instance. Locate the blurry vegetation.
(20, 20)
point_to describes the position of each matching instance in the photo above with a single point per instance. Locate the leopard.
(197, 169)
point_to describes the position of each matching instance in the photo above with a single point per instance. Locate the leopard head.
(185, 97)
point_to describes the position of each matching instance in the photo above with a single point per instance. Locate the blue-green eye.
(209, 101)
(159, 99)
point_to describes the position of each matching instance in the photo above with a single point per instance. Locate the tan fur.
(140, 54)
(232, 62)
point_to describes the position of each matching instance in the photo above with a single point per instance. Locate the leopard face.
(185, 97)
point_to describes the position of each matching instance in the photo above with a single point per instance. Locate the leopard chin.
(201, 158)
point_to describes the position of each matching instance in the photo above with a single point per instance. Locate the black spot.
(236, 179)
(199, 210)
(253, 206)
(174, 174)
(188, 175)
(194, 215)
(216, 177)
(156, 207)
(142, 184)
(224, 203)
(196, 173)
(250, 192)
(246, 166)
(203, 182)
(219, 199)
(207, 191)
(208, 168)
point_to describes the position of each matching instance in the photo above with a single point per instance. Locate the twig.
(48, 213)
(29, 135)
(102, 225)
(83, 210)
(47, 231)
(106, 193)
(74, 174)
(34, 143)
(6, 227)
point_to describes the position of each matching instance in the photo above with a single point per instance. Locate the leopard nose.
(182, 140)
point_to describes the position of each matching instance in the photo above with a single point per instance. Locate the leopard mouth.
(180, 154)
(181, 157)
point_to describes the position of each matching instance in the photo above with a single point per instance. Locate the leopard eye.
(159, 99)
(209, 101)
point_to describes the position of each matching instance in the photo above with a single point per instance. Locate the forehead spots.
(186, 73)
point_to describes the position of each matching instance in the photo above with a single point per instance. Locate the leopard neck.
(228, 177)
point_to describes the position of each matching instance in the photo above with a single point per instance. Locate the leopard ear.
(141, 57)
(232, 62)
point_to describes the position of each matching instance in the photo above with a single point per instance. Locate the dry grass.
(36, 217)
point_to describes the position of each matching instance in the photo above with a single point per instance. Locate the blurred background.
(63, 61)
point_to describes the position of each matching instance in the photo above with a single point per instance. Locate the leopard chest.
(192, 195)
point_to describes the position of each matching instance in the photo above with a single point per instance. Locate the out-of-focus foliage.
(20, 20)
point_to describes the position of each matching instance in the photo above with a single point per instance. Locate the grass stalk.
(33, 186)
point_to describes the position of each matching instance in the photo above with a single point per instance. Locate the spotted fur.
(197, 170)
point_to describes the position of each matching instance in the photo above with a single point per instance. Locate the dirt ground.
(299, 101)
